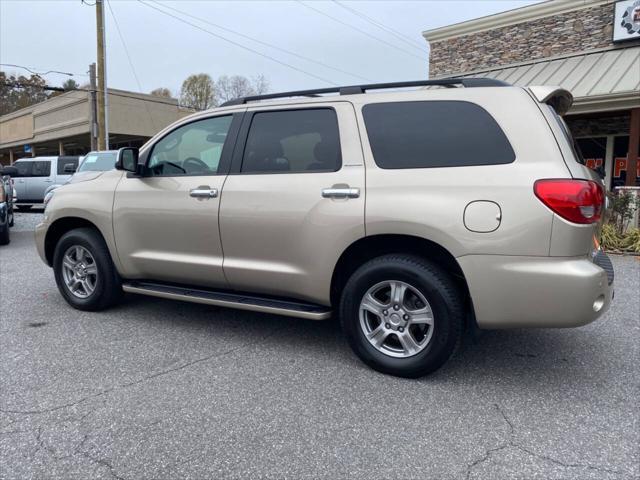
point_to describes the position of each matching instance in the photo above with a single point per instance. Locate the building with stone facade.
(589, 47)
(62, 125)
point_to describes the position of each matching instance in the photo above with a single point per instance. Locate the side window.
(293, 141)
(24, 168)
(434, 134)
(41, 168)
(193, 149)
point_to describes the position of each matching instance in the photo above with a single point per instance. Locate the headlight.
(48, 197)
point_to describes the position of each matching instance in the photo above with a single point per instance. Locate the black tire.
(440, 291)
(108, 285)
(24, 207)
(4, 235)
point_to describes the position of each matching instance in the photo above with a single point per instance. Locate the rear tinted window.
(434, 134)
(63, 161)
(293, 141)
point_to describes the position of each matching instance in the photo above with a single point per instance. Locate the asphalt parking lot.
(159, 389)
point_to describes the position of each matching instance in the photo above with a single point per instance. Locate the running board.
(231, 300)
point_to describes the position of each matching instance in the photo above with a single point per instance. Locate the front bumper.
(513, 292)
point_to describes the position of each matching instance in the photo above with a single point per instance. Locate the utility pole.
(93, 108)
(103, 104)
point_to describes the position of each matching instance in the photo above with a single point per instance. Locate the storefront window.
(620, 162)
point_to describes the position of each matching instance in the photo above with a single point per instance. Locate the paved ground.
(158, 389)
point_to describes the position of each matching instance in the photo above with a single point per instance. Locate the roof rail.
(356, 89)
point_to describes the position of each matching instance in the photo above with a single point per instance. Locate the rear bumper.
(513, 292)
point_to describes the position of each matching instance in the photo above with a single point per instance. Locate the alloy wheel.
(396, 319)
(79, 271)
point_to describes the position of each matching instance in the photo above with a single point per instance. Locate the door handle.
(340, 192)
(48, 181)
(204, 192)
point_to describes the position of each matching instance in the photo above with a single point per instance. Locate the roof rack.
(356, 89)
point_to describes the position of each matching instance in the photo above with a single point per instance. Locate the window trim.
(225, 156)
(368, 139)
(243, 135)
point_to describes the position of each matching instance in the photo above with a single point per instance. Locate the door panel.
(280, 235)
(163, 233)
(41, 179)
(166, 222)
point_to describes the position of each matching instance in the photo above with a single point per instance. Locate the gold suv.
(410, 215)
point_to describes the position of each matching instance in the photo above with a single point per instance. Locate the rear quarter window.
(431, 134)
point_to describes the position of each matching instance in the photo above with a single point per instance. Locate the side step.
(231, 300)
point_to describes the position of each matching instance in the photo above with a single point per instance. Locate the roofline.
(112, 91)
(510, 17)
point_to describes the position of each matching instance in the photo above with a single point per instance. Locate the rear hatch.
(579, 202)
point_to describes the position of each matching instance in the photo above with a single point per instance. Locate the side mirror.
(127, 159)
(11, 171)
(69, 168)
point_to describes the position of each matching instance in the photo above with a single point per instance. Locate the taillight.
(579, 201)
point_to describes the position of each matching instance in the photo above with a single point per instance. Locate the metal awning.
(599, 80)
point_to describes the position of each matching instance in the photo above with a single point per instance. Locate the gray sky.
(60, 35)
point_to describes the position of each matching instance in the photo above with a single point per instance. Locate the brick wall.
(575, 31)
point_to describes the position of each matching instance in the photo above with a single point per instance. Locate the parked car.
(91, 162)
(410, 215)
(34, 175)
(10, 191)
(4, 214)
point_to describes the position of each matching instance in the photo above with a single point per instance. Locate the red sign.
(620, 165)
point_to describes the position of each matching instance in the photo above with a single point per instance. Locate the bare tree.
(236, 86)
(17, 92)
(260, 84)
(161, 92)
(198, 91)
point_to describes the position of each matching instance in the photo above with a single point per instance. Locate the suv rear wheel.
(402, 315)
(84, 272)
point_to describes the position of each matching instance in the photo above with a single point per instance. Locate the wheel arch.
(367, 248)
(61, 226)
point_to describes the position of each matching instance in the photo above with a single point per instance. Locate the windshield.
(98, 162)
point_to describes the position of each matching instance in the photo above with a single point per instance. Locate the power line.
(269, 57)
(400, 36)
(275, 47)
(353, 27)
(126, 51)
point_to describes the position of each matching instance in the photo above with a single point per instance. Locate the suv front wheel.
(84, 272)
(402, 315)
